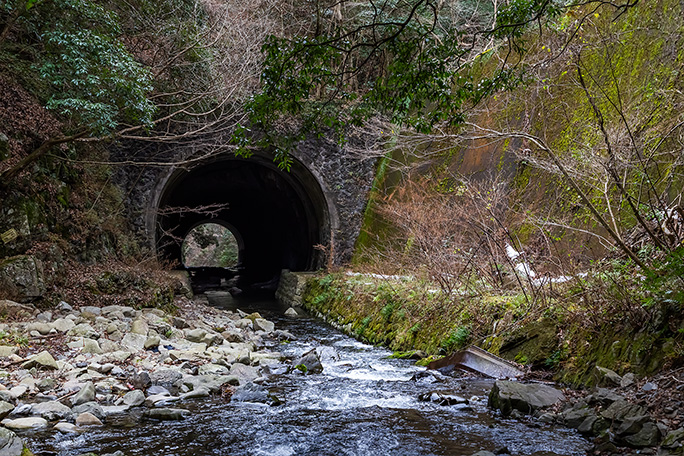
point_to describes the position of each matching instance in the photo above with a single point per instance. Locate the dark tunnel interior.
(278, 216)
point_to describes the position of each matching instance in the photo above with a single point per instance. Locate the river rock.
(195, 335)
(526, 398)
(66, 428)
(160, 400)
(244, 373)
(6, 351)
(42, 327)
(291, 312)
(212, 383)
(21, 424)
(42, 360)
(152, 342)
(168, 378)
(621, 410)
(167, 414)
(10, 443)
(52, 411)
(134, 398)
(87, 419)
(195, 393)
(484, 453)
(63, 325)
(140, 326)
(261, 324)
(309, 363)
(443, 398)
(91, 346)
(90, 407)
(5, 409)
(85, 394)
(251, 392)
(133, 342)
(213, 369)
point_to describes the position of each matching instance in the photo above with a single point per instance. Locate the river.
(362, 404)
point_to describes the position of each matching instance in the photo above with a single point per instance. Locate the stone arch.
(280, 216)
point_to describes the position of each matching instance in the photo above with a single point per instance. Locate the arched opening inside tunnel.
(211, 245)
(277, 217)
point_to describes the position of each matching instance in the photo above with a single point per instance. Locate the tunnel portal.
(278, 217)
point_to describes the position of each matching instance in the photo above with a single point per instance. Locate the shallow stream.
(362, 404)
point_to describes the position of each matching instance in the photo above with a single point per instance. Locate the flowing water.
(362, 404)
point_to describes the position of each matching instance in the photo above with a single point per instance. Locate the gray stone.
(213, 383)
(6, 351)
(23, 275)
(91, 346)
(621, 410)
(195, 335)
(244, 373)
(213, 369)
(90, 407)
(25, 423)
(92, 310)
(86, 394)
(114, 409)
(87, 419)
(63, 325)
(309, 363)
(134, 398)
(43, 328)
(648, 436)
(291, 312)
(261, 324)
(575, 418)
(134, 342)
(157, 389)
(649, 386)
(526, 398)
(152, 342)
(484, 453)
(5, 409)
(606, 377)
(140, 326)
(66, 428)
(167, 414)
(10, 443)
(51, 411)
(160, 400)
(251, 392)
(195, 393)
(627, 380)
(167, 378)
(42, 360)
(674, 439)
(604, 396)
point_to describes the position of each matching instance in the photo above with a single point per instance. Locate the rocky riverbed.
(71, 369)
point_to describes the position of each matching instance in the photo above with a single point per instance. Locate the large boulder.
(524, 397)
(309, 363)
(51, 411)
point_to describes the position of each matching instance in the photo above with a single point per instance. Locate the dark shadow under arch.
(280, 216)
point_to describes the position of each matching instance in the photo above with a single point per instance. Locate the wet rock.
(606, 377)
(309, 363)
(195, 393)
(428, 377)
(160, 400)
(284, 335)
(42, 360)
(251, 392)
(52, 411)
(87, 419)
(244, 373)
(134, 398)
(484, 453)
(90, 407)
(66, 428)
(167, 414)
(10, 443)
(443, 398)
(526, 398)
(20, 424)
